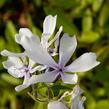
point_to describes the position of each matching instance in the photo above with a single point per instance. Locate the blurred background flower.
(87, 19)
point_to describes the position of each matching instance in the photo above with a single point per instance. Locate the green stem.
(33, 91)
(36, 99)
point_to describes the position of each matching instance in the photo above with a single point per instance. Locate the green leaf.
(10, 33)
(11, 29)
(87, 23)
(100, 92)
(90, 102)
(89, 37)
(89, 1)
(58, 88)
(2, 44)
(66, 4)
(2, 2)
(8, 97)
(104, 14)
(103, 75)
(102, 104)
(97, 5)
(40, 105)
(11, 80)
(38, 2)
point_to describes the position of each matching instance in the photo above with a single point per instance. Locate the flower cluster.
(39, 55)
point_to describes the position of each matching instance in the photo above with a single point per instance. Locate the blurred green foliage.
(87, 19)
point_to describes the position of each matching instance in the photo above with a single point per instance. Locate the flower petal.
(20, 87)
(8, 53)
(27, 39)
(69, 78)
(56, 105)
(26, 78)
(7, 64)
(84, 63)
(28, 42)
(25, 83)
(77, 91)
(53, 52)
(35, 50)
(23, 32)
(13, 65)
(81, 102)
(56, 38)
(45, 77)
(13, 61)
(15, 72)
(77, 100)
(41, 56)
(48, 29)
(67, 47)
(49, 26)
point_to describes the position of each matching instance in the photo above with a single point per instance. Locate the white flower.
(18, 66)
(48, 29)
(32, 44)
(30, 41)
(67, 47)
(38, 51)
(77, 101)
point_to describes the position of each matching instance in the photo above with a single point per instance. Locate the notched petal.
(84, 63)
(67, 47)
(49, 25)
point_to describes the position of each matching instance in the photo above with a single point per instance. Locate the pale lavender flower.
(76, 100)
(35, 49)
(33, 43)
(30, 41)
(19, 67)
(67, 47)
(48, 28)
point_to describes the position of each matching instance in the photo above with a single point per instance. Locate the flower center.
(25, 69)
(60, 70)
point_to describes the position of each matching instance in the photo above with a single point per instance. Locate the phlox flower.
(37, 51)
(19, 66)
(17, 63)
(76, 100)
(67, 47)
(48, 29)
